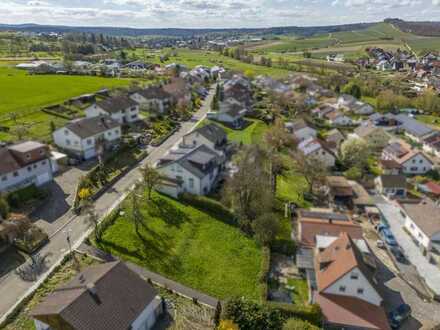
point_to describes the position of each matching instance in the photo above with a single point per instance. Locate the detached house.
(24, 164)
(154, 98)
(374, 136)
(120, 108)
(211, 135)
(301, 130)
(412, 161)
(414, 129)
(193, 170)
(347, 290)
(313, 147)
(102, 297)
(337, 118)
(391, 185)
(86, 138)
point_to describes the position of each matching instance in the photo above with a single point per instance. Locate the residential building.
(180, 90)
(86, 138)
(334, 139)
(211, 135)
(337, 118)
(101, 297)
(390, 167)
(431, 144)
(231, 113)
(196, 169)
(340, 190)
(374, 136)
(346, 288)
(412, 161)
(301, 130)
(316, 148)
(422, 221)
(23, 164)
(155, 99)
(414, 129)
(391, 185)
(120, 108)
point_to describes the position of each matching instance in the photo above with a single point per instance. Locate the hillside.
(429, 29)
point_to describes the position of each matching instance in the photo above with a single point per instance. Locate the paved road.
(13, 289)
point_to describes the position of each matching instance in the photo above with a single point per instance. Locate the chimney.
(93, 292)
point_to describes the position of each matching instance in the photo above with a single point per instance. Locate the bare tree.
(312, 169)
(93, 218)
(136, 215)
(151, 178)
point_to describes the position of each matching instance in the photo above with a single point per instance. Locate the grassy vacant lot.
(192, 247)
(21, 320)
(433, 121)
(24, 93)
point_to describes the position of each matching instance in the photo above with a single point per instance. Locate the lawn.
(25, 93)
(433, 121)
(21, 320)
(187, 245)
(300, 292)
(252, 134)
(291, 188)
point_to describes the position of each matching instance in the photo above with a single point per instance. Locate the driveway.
(53, 214)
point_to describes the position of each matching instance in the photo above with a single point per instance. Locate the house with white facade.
(195, 169)
(412, 161)
(414, 129)
(211, 135)
(24, 164)
(347, 289)
(101, 297)
(86, 138)
(374, 136)
(337, 118)
(422, 221)
(431, 144)
(392, 186)
(120, 108)
(317, 149)
(155, 99)
(301, 130)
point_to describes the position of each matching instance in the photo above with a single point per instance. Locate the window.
(4, 178)
(421, 161)
(89, 141)
(68, 142)
(413, 168)
(109, 133)
(354, 276)
(360, 291)
(41, 151)
(28, 156)
(43, 162)
(414, 161)
(35, 165)
(342, 288)
(191, 183)
(29, 168)
(15, 174)
(134, 116)
(66, 132)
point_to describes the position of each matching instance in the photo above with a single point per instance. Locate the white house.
(392, 186)
(154, 98)
(24, 164)
(195, 169)
(86, 138)
(422, 220)
(337, 118)
(346, 101)
(313, 147)
(301, 130)
(120, 108)
(345, 278)
(211, 135)
(104, 296)
(431, 145)
(412, 161)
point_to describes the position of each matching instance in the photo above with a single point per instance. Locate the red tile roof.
(352, 312)
(310, 227)
(433, 187)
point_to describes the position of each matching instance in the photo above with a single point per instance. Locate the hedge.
(263, 276)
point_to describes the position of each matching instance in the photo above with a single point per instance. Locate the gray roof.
(393, 181)
(116, 103)
(212, 132)
(87, 127)
(27, 146)
(199, 161)
(413, 126)
(105, 296)
(299, 124)
(425, 214)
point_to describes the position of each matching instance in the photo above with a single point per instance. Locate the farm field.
(198, 249)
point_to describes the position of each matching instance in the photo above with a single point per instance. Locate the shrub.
(227, 325)
(212, 207)
(249, 315)
(263, 276)
(298, 324)
(284, 246)
(353, 173)
(24, 195)
(4, 208)
(310, 313)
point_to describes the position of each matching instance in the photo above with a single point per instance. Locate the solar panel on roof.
(325, 216)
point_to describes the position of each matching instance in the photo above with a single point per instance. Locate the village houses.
(120, 108)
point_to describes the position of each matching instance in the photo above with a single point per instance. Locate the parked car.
(381, 226)
(380, 244)
(399, 315)
(388, 237)
(398, 254)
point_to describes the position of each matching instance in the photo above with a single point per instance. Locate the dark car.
(398, 254)
(399, 315)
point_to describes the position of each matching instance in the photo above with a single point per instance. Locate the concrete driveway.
(53, 214)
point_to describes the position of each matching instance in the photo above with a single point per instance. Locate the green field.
(192, 247)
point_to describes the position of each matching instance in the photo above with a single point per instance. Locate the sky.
(212, 13)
